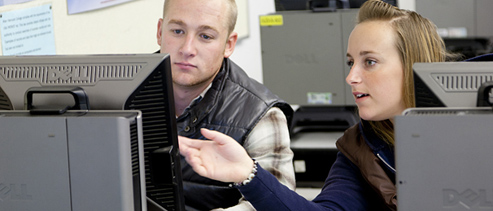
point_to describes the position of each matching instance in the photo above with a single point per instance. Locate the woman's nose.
(353, 76)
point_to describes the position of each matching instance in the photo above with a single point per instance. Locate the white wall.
(126, 28)
(248, 53)
(407, 4)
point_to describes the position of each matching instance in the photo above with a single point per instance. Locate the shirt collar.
(198, 98)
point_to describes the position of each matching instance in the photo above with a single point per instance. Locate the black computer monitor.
(451, 84)
(110, 82)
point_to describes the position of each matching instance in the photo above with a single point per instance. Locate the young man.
(212, 92)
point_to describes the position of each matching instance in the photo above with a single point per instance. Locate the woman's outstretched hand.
(221, 158)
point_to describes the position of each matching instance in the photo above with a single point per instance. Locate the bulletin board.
(125, 28)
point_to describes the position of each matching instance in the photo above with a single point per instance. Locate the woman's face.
(377, 74)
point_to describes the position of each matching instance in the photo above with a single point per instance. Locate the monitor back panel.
(444, 162)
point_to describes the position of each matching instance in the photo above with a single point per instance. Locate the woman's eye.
(350, 63)
(371, 62)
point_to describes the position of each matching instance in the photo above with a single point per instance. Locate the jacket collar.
(377, 145)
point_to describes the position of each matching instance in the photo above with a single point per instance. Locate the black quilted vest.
(233, 105)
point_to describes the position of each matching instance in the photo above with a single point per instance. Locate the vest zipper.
(385, 162)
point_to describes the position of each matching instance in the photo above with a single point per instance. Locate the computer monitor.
(110, 82)
(450, 84)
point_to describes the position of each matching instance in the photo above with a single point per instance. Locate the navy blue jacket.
(354, 181)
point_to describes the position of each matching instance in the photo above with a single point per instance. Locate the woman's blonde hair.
(417, 40)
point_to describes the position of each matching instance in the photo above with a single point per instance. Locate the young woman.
(382, 48)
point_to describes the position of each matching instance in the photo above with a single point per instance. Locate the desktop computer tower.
(79, 160)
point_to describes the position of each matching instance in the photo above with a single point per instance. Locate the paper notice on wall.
(7, 2)
(28, 31)
(78, 6)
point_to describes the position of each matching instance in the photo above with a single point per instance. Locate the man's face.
(195, 34)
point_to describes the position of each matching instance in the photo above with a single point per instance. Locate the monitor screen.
(110, 82)
(450, 84)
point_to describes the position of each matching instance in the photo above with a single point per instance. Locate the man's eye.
(177, 31)
(207, 37)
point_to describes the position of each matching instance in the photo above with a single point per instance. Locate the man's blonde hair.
(231, 17)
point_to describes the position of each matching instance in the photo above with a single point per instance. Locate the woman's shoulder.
(351, 139)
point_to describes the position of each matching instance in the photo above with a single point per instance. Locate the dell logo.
(14, 191)
(468, 198)
(75, 74)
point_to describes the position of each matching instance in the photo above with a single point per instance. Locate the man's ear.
(159, 31)
(230, 44)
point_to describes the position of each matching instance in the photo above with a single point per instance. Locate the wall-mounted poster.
(7, 2)
(28, 31)
(78, 6)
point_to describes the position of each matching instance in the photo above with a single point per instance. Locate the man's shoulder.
(237, 79)
(237, 74)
